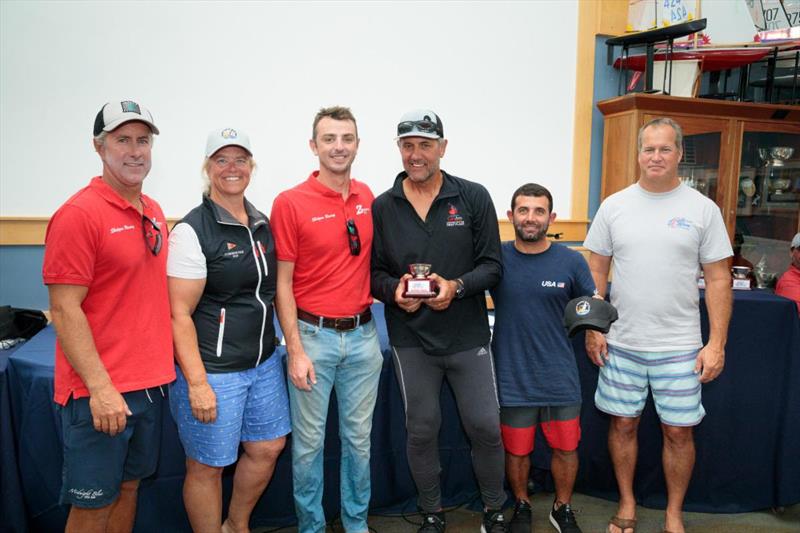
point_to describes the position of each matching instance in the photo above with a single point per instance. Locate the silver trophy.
(420, 285)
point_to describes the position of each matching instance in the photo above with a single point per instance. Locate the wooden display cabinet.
(722, 160)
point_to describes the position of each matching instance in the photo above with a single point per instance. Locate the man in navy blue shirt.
(537, 376)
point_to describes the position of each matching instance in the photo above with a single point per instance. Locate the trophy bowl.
(778, 185)
(741, 272)
(420, 270)
(763, 153)
(780, 154)
(765, 280)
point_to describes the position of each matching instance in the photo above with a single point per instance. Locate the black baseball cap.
(587, 312)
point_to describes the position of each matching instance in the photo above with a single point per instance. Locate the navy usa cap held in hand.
(589, 313)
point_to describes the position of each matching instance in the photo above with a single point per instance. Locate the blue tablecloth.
(746, 447)
(12, 506)
(36, 429)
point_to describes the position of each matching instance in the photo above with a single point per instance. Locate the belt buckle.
(344, 324)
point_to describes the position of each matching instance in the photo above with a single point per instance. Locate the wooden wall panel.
(619, 167)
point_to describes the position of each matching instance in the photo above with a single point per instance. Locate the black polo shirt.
(460, 239)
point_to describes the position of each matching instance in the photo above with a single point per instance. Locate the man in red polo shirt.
(105, 268)
(789, 284)
(323, 238)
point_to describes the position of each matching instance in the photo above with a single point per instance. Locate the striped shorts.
(624, 380)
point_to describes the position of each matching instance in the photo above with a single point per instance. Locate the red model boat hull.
(712, 60)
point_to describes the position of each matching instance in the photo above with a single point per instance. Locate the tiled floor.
(592, 515)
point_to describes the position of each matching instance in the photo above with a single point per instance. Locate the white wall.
(500, 74)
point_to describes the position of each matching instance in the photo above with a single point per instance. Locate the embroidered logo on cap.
(582, 308)
(130, 107)
(229, 133)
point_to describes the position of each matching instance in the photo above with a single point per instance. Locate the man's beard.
(539, 235)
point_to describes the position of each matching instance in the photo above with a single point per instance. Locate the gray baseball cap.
(114, 114)
(222, 137)
(420, 123)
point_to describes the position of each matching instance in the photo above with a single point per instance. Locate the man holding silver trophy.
(436, 250)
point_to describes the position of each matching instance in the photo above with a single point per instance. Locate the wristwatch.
(459, 288)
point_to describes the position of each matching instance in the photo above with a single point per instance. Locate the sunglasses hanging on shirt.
(352, 237)
(152, 234)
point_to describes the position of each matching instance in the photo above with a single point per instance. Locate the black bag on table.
(20, 323)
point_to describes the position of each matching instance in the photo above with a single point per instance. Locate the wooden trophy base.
(420, 288)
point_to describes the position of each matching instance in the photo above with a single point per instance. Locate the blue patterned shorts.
(252, 405)
(624, 380)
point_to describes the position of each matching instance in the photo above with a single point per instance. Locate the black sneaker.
(432, 523)
(521, 521)
(563, 519)
(493, 522)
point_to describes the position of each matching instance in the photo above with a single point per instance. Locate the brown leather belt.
(345, 323)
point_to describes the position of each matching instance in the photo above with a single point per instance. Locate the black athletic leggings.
(471, 376)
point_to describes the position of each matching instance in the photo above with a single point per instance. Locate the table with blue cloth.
(746, 446)
(12, 515)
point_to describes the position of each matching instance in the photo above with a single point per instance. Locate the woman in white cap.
(230, 388)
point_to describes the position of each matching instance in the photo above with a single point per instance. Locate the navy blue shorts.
(95, 463)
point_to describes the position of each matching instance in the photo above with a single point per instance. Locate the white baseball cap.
(420, 123)
(114, 114)
(796, 241)
(222, 137)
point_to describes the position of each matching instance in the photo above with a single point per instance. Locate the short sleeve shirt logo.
(680, 223)
(124, 227)
(453, 217)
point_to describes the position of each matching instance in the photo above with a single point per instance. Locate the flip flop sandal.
(623, 524)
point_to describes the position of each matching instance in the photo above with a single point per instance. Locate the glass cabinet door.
(767, 199)
(699, 167)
